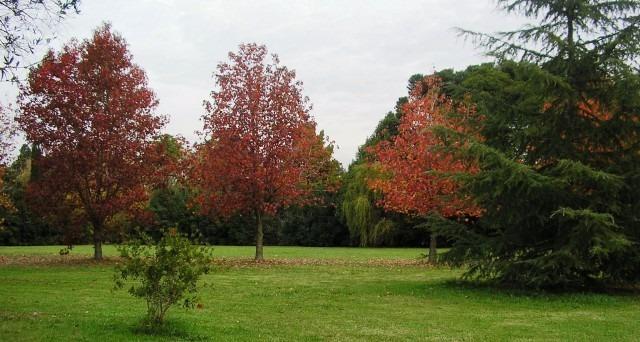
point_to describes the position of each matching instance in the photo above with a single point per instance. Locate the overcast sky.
(354, 56)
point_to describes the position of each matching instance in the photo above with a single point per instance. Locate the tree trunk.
(433, 249)
(97, 242)
(259, 237)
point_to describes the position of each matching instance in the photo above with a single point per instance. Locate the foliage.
(90, 111)
(504, 96)
(567, 32)
(416, 173)
(22, 224)
(312, 225)
(171, 207)
(555, 187)
(386, 128)
(262, 153)
(546, 243)
(166, 273)
(171, 199)
(316, 224)
(413, 162)
(23, 24)
(365, 220)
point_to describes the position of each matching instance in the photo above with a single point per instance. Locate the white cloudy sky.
(354, 56)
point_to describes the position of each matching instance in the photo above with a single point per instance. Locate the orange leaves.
(414, 164)
(592, 109)
(262, 152)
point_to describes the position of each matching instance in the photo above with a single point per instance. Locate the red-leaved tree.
(90, 111)
(261, 152)
(415, 167)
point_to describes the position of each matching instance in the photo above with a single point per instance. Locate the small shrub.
(164, 273)
(66, 250)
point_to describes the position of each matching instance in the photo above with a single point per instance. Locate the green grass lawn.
(345, 253)
(305, 302)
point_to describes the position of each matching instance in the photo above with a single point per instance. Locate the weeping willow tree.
(364, 219)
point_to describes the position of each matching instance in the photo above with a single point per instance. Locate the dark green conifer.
(560, 159)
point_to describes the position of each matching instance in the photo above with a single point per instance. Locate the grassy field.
(339, 302)
(345, 253)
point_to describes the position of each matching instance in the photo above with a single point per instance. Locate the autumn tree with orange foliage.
(413, 164)
(261, 152)
(90, 111)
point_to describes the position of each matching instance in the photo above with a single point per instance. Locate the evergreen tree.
(558, 179)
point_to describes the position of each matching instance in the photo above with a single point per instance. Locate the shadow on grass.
(491, 288)
(171, 329)
(462, 291)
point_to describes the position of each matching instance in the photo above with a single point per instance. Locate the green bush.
(164, 273)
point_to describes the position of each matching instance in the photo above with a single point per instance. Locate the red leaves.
(89, 110)
(413, 162)
(262, 152)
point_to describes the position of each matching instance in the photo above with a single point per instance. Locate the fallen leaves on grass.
(238, 262)
(51, 260)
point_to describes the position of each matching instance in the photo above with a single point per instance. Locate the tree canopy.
(554, 181)
(89, 110)
(262, 152)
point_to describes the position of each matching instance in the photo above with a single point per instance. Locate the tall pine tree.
(559, 195)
